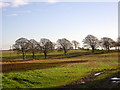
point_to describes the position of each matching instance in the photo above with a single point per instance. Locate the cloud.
(3, 4)
(14, 14)
(52, 1)
(14, 3)
(23, 12)
(17, 3)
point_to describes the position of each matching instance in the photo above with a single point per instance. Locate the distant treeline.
(45, 45)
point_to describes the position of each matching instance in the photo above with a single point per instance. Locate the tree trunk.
(33, 55)
(93, 49)
(108, 49)
(45, 54)
(65, 52)
(75, 47)
(23, 54)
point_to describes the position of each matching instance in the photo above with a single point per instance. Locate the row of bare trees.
(105, 43)
(45, 45)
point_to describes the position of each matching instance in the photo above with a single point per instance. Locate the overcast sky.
(55, 20)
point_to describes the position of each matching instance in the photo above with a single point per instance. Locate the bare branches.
(64, 44)
(22, 45)
(75, 44)
(33, 47)
(107, 43)
(91, 41)
(46, 45)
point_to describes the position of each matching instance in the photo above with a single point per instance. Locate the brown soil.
(32, 65)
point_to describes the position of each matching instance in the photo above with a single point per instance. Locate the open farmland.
(54, 44)
(56, 72)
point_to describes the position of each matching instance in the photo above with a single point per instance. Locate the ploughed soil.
(35, 64)
(24, 65)
(88, 82)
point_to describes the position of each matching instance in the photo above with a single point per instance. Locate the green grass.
(62, 74)
(54, 52)
(46, 78)
(14, 55)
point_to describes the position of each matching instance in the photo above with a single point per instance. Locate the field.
(58, 71)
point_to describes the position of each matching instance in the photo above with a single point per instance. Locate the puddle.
(110, 82)
(97, 74)
(115, 79)
(82, 82)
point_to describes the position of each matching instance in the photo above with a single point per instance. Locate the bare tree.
(54, 45)
(16, 48)
(107, 43)
(46, 46)
(21, 44)
(64, 44)
(117, 45)
(75, 44)
(33, 47)
(91, 41)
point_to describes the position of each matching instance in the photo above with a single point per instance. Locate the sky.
(56, 20)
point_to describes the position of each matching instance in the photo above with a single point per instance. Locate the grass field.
(55, 71)
(11, 55)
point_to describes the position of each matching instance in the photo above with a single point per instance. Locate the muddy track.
(86, 80)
